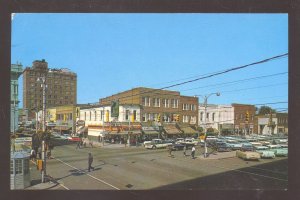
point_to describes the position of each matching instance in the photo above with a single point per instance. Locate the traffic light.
(177, 118)
(132, 118)
(158, 118)
(247, 117)
(39, 164)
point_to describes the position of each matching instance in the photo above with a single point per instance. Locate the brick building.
(61, 87)
(241, 125)
(159, 105)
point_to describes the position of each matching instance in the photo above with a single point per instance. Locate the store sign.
(150, 128)
(227, 126)
(80, 123)
(115, 109)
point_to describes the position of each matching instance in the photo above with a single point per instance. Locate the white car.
(248, 155)
(157, 144)
(146, 142)
(179, 140)
(264, 152)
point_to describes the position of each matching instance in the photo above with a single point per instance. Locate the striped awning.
(171, 129)
(125, 132)
(150, 132)
(63, 128)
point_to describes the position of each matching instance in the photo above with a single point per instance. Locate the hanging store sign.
(115, 109)
(80, 123)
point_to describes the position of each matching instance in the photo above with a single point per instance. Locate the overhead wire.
(157, 91)
(208, 76)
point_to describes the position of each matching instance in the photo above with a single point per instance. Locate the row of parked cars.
(250, 148)
(175, 144)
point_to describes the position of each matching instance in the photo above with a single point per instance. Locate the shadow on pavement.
(268, 176)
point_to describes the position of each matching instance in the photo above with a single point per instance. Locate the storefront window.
(18, 167)
(11, 167)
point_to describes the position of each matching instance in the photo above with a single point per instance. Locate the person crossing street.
(193, 152)
(90, 161)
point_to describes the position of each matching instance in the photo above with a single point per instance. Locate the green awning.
(187, 130)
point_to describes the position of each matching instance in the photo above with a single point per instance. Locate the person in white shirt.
(193, 152)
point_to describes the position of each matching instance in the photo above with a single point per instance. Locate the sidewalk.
(218, 155)
(109, 145)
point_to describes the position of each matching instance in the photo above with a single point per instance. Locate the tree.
(265, 110)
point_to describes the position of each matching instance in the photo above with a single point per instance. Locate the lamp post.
(103, 126)
(205, 97)
(44, 86)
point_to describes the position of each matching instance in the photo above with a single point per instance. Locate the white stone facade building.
(218, 117)
(102, 114)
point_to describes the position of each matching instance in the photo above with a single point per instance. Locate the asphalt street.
(136, 168)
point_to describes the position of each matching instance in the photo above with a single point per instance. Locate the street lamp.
(205, 97)
(44, 86)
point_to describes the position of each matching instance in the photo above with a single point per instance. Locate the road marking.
(87, 174)
(62, 185)
(57, 181)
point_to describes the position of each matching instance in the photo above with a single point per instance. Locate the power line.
(228, 70)
(271, 85)
(209, 76)
(241, 80)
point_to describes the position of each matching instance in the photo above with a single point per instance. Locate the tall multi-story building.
(61, 87)
(16, 71)
(158, 105)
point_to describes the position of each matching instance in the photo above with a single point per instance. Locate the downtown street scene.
(149, 102)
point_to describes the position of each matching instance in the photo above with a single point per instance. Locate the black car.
(177, 146)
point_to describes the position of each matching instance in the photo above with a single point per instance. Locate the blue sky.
(115, 52)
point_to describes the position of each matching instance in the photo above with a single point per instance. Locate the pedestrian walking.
(32, 155)
(170, 150)
(78, 145)
(193, 152)
(90, 161)
(184, 150)
(91, 144)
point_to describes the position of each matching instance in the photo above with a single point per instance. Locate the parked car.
(247, 147)
(248, 155)
(264, 152)
(74, 139)
(256, 144)
(211, 137)
(234, 145)
(222, 146)
(146, 142)
(179, 140)
(157, 143)
(278, 150)
(188, 142)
